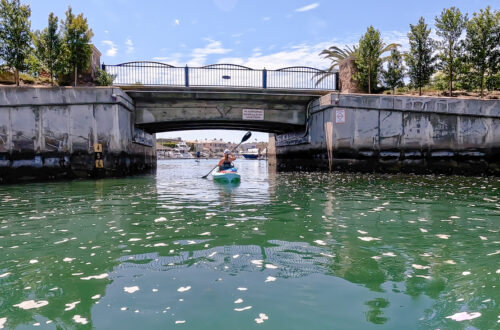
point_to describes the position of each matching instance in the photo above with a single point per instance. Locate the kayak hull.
(231, 176)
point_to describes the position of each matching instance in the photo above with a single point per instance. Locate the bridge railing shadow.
(220, 75)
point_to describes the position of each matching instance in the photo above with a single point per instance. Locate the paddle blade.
(246, 137)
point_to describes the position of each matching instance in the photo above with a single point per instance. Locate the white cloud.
(112, 50)
(199, 55)
(308, 7)
(305, 54)
(177, 22)
(130, 46)
(267, 18)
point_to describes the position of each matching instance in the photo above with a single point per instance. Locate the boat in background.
(251, 154)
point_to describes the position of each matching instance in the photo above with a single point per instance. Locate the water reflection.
(304, 249)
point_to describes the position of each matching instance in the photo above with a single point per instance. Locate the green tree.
(419, 58)
(48, 46)
(76, 43)
(482, 45)
(394, 74)
(368, 58)
(449, 26)
(15, 36)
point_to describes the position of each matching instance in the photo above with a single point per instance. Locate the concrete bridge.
(160, 109)
(87, 131)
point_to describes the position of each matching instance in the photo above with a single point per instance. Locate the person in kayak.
(226, 161)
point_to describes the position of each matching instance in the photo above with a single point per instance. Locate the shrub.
(104, 79)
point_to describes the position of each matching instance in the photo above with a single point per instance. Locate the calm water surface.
(278, 251)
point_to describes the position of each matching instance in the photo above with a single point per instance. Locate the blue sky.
(254, 33)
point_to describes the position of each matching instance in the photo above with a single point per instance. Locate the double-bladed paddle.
(245, 137)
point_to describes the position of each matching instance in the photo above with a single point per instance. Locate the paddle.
(245, 137)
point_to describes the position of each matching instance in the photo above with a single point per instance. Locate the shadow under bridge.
(161, 109)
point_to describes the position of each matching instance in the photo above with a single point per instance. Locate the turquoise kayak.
(228, 176)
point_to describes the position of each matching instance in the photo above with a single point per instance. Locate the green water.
(277, 251)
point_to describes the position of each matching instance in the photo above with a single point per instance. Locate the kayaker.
(226, 161)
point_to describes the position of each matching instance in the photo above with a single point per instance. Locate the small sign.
(253, 114)
(339, 116)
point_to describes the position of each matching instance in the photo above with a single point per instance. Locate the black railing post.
(103, 67)
(337, 81)
(264, 78)
(186, 75)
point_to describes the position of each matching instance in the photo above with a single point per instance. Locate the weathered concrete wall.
(52, 132)
(396, 134)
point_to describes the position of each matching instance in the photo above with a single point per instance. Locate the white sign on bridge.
(253, 114)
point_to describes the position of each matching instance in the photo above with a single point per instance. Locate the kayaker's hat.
(227, 152)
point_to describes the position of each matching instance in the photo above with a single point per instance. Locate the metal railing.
(220, 75)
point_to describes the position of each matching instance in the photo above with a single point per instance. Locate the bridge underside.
(174, 109)
(257, 126)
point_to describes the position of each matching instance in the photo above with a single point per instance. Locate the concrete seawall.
(70, 132)
(396, 134)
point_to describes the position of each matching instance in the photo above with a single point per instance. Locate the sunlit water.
(277, 251)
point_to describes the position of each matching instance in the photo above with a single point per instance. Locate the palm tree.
(336, 55)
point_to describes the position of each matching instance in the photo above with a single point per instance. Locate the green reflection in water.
(277, 251)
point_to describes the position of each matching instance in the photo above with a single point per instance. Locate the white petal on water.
(30, 304)
(229, 225)
(78, 319)
(123, 308)
(134, 239)
(212, 254)
(443, 236)
(155, 290)
(450, 262)
(33, 261)
(68, 259)
(498, 271)
(161, 219)
(236, 256)
(420, 266)
(319, 242)
(271, 266)
(463, 316)
(3, 320)
(242, 289)
(262, 317)
(423, 230)
(207, 233)
(493, 253)
(4, 275)
(71, 306)
(184, 288)
(131, 289)
(388, 254)
(376, 257)
(242, 308)
(257, 262)
(270, 279)
(159, 244)
(362, 232)
(97, 296)
(368, 239)
(95, 277)
(180, 322)
(238, 301)
(483, 238)
(466, 273)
